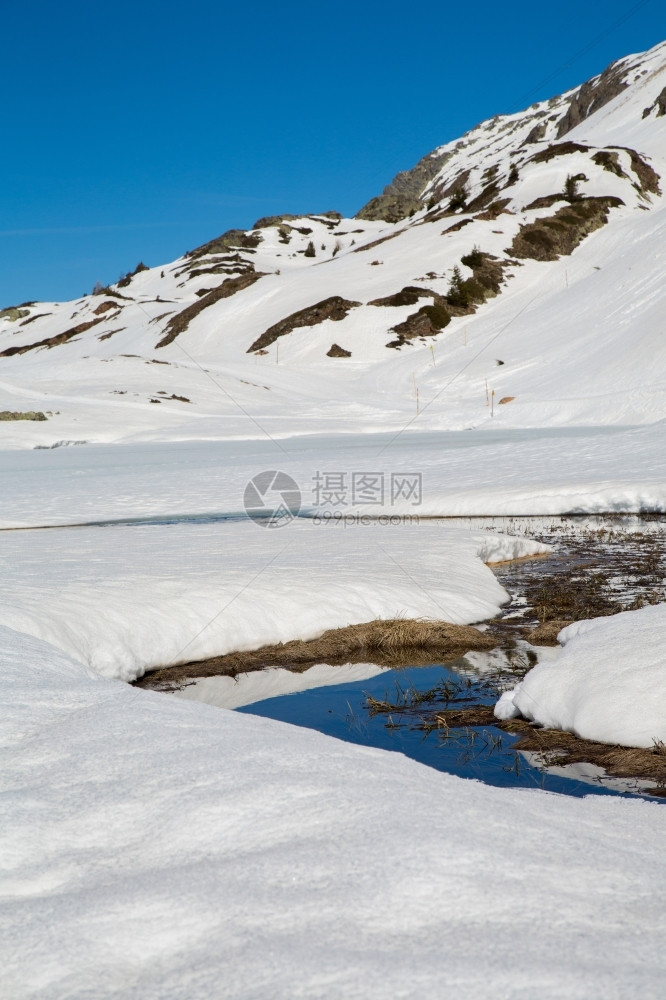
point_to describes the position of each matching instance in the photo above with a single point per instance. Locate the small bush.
(458, 200)
(437, 315)
(311, 252)
(473, 259)
(571, 192)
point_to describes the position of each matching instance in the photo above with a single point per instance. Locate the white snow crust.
(155, 848)
(608, 683)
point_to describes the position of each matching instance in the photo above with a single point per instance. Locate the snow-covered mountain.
(514, 276)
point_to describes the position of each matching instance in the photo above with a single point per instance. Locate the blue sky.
(136, 131)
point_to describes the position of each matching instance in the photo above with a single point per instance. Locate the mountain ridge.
(508, 222)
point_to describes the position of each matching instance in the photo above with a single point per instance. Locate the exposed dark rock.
(233, 238)
(180, 322)
(545, 201)
(591, 96)
(484, 199)
(376, 243)
(558, 235)
(558, 149)
(457, 226)
(335, 308)
(609, 161)
(494, 209)
(328, 218)
(401, 196)
(408, 296)
(31, 319)
(659, 106)
(336, 351)
(648, 178)
(59, 338)
(427, 322)
(104, 307)
(536, 134)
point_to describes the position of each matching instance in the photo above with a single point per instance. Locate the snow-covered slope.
(560, 313)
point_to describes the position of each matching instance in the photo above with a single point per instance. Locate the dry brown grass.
(546, 634)
(556, 747)
(392, 641)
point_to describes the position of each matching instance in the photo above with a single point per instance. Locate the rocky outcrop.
(335, 308)
(180, 322)
(401, 196)
(593, 95)
(558, 235)
(232, 239)
(59, 338)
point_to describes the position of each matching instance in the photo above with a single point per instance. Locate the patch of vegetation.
(463, 292)
(25, 415)
(382, 640)
(335, 308)
(558, 235)
(124, 281)
(474, 258)
(458, 200)
(232, 239)
(310, 250)
(571, 192)
(558, 149)
(13, 313)
(494, 209)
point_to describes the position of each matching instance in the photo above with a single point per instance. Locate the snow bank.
(608, 684)
(154, 848)
(123, 599)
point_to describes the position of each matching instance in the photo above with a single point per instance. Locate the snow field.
(159, 848)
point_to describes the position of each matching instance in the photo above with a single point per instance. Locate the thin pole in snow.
(492, 404)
